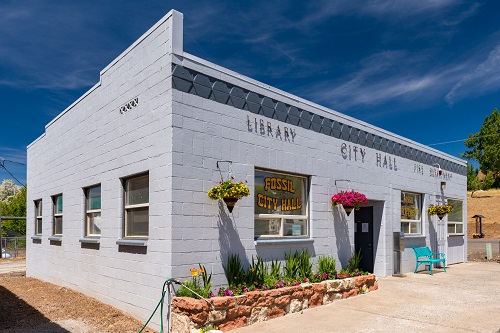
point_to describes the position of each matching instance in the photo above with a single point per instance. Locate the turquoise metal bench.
(425, 256)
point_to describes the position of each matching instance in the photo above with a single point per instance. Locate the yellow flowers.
(229, 189)
(439, 210)
(194, 272)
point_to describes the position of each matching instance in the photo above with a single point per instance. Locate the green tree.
(8, 189)
(475, 184)
(484, 146)
(15, 206)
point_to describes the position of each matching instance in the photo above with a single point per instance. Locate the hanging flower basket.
(230, 191)
(348, 209)
(230, 202)
(349, 200)
(439, 210)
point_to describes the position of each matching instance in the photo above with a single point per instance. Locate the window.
(57, 211)
(455, 218)
(137, 206)
(411, 213)
(38, 217)
(93, 211)
(280, 205)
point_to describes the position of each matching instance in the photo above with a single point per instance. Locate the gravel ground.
(29, 305)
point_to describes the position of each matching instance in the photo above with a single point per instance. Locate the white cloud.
(485, 77)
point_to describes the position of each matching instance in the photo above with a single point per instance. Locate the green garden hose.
(168, 287)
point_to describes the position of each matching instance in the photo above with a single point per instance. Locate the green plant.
(291, 268)
(305, 265)
(194, 287)
(229, 189)
(206, 278)
(439, 209)
(257, 272)
(275, 269)
(235, 273)
(353, 261)
(208, 328)
(326, 265)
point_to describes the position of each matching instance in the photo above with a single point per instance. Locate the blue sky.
(428, 70)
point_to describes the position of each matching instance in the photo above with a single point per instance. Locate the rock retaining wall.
(256, 306)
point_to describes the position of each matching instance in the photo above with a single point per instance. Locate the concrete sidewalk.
(465, 299)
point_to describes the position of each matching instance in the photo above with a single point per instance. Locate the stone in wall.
(257, 306)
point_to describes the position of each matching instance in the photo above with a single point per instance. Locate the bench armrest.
(440, 254)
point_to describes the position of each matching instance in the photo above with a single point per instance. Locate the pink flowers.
(349, 199)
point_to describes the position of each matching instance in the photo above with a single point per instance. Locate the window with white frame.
(280, 205)
(93, 211)
(57, 212)
(455, 218)
(411, 213)
(136, 206)
(38, 217)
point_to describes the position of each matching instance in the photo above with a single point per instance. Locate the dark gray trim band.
(192, 82)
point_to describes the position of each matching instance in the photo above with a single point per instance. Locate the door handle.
(369, 246)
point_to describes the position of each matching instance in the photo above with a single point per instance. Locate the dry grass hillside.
(486, 203)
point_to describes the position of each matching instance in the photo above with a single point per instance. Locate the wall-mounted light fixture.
(443, 185)
(440, 172)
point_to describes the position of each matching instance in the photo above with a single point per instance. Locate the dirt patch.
(486, 203)
(31, 305)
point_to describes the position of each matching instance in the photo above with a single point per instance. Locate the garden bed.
(232, 312)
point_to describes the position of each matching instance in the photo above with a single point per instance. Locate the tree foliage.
(475, 184)
(15, 206)
(484, 146)
(8, 189)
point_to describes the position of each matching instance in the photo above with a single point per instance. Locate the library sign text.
(267, 128)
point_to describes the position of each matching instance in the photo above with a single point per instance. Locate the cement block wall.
(207, 131)
(92, 142)
(178, 138)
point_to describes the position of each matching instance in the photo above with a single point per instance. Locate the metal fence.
(16, 246)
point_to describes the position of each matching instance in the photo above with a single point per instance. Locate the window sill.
(93, 240)
(36, 237)
(132, 242)
(452, 235)
(55, 238)
(414, 236)
(274, 241)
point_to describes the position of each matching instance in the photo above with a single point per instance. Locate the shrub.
(326, 265)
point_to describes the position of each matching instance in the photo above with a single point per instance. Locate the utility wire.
(477, 137)
(2, 165)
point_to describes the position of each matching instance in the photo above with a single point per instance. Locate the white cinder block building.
(118, 182)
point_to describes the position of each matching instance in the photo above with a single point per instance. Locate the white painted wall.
(178, 138)
(91, 142)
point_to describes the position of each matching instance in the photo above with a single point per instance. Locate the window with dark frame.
(38, 217)
(57, 228)
(93, 211)
(136, 206)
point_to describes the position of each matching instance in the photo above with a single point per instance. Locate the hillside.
(486, 203)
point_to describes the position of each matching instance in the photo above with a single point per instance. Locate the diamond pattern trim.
(192, 82)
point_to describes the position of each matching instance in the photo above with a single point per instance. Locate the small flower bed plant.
(229, 189)
(200, 283)
(349, 198)
(261, 276)
(439, 209)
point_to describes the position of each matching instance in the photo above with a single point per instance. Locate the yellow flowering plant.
(439, 209)
(201, 287)
(229, 189)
